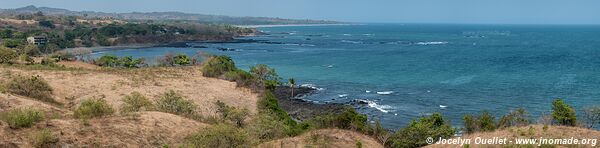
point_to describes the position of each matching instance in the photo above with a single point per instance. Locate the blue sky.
(384, 11)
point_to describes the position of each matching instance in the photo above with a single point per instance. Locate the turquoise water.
(465, 68)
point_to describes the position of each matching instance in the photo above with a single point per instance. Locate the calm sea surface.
(410, 70)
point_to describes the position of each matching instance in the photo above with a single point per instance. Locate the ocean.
(406, 71)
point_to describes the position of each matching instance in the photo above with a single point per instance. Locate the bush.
(417, 131)
(519, 117)
(93, 108)
(107, 60)
(114, 61)
(136, 102)
(485, 122)
(591, 115)
(219, 136)
(348, 119)
(43, 138)
(7, 55)
(562, 113)
(21, 118)
(25, 58)
(267, 127)
(216, 66)
(232, 114)
(268, 106)
(181, 59)
(34, 87)
(171, 102)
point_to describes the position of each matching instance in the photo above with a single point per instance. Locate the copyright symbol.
(429, 140)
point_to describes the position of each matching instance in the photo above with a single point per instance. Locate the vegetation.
(136, 102)
(93, 108)
(21, 118)
(417, 130)
(563, 114)
(268, 106)
(518, 117)
(215, 66)
(43, 138)
(485, 122)
(591, 114)
(232, 114)
(34, 87)
(266, 75)
(292, 84)
(114, 61)
(172, 102)
(7, 55)
(219, 136)
(348, 119)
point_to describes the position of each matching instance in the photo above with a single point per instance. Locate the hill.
(162, 16)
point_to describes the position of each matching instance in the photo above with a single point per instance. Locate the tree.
(7, 55)
(562, 113)
(6, 33)
(292, 83)
(46, 23)
(267, 75)
(591, 115)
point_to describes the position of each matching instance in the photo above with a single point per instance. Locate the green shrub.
(182, 59)
(484, 122)
(136, 102)
(232, 114)
(563, 114)
(268, 106)
(216, 66)
(487, 122)
(171, 102)
(114, 61)
(7, 55)
(92, 108)
(348, 119)
(219, 136)
(359, 144)
(35, 87)
(267, 127)
(107, 60)
(417, 131)
(21, 118)
(43, 138)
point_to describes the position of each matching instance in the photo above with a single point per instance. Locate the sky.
(374, 11)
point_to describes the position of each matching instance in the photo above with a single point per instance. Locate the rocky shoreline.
(301, 109)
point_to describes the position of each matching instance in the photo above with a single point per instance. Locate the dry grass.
(142, 129)
(334, 138)
(70, 87)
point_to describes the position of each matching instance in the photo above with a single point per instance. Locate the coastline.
(293, 25)
(301, 109)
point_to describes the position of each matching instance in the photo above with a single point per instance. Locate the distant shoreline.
(291, 25)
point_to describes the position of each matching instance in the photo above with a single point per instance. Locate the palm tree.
(292, 82)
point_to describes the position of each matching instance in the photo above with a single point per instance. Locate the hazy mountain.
(162, 16)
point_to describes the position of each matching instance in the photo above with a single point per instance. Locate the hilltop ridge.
(163, 16)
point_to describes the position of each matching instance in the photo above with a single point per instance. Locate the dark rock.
(301, 109)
